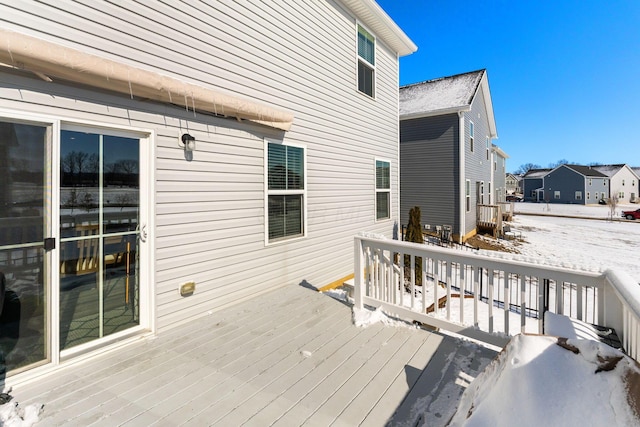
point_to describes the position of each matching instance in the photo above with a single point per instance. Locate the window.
(471, 136)
(621, 195)
(623, 182)
(487, 143)
(591, 181)
(556, 195)
(285, 191)
(383, 190)
(467, 192)
(366, 61)
(588, 195)
(578, 195)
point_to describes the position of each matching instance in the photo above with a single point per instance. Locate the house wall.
(624, 181)
(429, 169)
(568, 181)
(499, 178)
(477, 165)
(529, 185)
(210, 218)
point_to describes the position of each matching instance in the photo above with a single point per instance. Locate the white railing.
(489, 298)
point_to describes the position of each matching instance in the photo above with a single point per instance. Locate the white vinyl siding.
(210, 209)
(383, 190)
(366, 61)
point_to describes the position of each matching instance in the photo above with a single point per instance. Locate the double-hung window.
(366, 61)
(285, 170)
(471, 136)
(383, 190)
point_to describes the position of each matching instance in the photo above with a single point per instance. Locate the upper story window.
(366, 61)
(383, 190)
(488, 148)
(471, 136)
(285, 191)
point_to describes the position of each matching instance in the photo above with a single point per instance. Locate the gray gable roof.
(586, 171)
(442, 94)
(536, 173)
(446, 95)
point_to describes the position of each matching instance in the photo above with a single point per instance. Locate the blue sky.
(564, 75)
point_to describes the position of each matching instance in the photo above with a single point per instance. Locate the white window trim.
(472, 138)
(467, 195)
(382, 190)
(367, 63)
(268, 192)
(147, 138)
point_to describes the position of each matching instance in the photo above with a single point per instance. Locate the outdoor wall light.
(189, 142)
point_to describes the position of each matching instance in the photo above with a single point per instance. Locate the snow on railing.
(486, 297)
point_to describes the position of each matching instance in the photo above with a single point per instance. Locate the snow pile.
(365, 317)
(13, 415)
(558, 325)
(536, 381)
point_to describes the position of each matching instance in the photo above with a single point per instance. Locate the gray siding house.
(499, 174)
(163, 160)
(446, 161)
(575, 184)
(533, 185)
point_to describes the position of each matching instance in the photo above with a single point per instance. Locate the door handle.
(143, 233)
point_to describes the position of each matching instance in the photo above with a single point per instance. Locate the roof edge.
(374, 17)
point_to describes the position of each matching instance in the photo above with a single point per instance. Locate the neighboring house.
(623, 182)
(533, 185)
(446, 129)
(575, 184)
(499, 174)
(161, 161)
(513, 183)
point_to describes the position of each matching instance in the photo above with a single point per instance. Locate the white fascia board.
(440, 112)
(374, 17)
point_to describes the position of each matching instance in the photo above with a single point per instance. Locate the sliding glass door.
(99, 235)
(25, 221)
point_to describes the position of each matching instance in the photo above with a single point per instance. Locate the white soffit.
(47, 59)
(377, 20)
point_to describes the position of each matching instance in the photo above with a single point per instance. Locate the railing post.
(358, 284)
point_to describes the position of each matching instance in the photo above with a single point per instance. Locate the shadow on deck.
(289, 357)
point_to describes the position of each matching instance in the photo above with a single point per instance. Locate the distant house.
(513, 183)
(623, 182)
(575, 184)
(533, 185)
(446, 154)
(164, 160)
(499, 174)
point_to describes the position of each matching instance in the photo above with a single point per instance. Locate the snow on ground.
(578, 242)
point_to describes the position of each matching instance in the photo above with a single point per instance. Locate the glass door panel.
(24, 194)
(99, 217)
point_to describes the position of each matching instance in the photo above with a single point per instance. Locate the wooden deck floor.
(288, 358)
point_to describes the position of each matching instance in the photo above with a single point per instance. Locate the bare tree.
(523, 169)
(558, 163)
(612, 202)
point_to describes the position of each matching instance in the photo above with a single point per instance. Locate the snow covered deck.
(290, 357)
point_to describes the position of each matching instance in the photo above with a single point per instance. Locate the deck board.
(289, 357)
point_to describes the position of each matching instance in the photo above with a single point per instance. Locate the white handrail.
(486, 297)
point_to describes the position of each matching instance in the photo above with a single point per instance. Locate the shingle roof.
(445, 93)
(586, 171)
(608, 170)
(536, 173)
